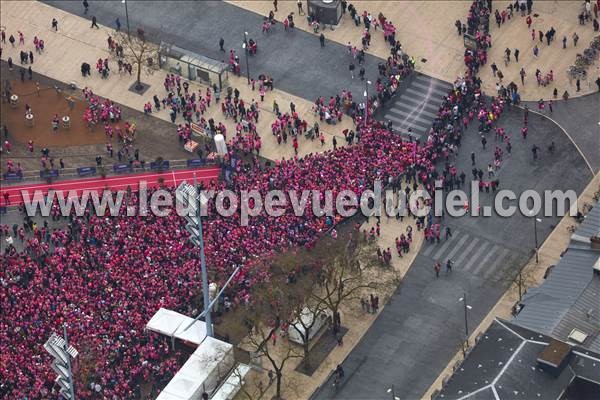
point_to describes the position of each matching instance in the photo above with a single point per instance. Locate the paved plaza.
(409, 346)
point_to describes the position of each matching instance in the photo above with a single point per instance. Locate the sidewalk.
(549, 254)
(296, 385)
(75, 43)
(426, 30)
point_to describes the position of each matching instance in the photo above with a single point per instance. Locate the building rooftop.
(505, 365)
(568, 299)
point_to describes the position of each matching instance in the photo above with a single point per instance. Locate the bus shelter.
(192, 66)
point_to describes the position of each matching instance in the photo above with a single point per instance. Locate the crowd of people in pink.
(106, 277)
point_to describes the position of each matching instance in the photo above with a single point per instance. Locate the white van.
(307, 319)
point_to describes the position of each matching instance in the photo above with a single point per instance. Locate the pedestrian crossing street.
(417, 106)
(475, 255)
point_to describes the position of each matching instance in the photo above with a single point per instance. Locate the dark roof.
(589, 227)
(556, 307)
(503, 365)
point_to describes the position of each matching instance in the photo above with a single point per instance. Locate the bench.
(156, 166)
(86, 171)
(195, 163)
(13, 176)
(48, 173)
(121, 168)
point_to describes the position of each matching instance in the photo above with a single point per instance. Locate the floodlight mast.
(194, 227)
(66, 348)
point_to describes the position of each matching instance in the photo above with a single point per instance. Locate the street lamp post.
(186, 192)
(194, 227)
(535, 235)
(59, 348)
(466, 308)
(127, 19)
(392, 391)
(245, 46)
(366, 94)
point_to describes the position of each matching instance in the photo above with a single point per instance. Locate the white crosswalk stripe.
(457, 247)
(502, 259)
(485, 260)
(473, 255)
(417, 106)
(469, 248)
(447, 243)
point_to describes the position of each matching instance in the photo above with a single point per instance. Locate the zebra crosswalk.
(417, 106)
(475, 255)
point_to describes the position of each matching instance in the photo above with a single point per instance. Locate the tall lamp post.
(245, 46)
(535, 235)
(188, 193)
(127, 19)
(366, 94)
(59, 348)
(466, 308)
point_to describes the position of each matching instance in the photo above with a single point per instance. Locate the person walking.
(522, 74)
(437, 266)
(300, 10)
(322, 40)
(221, 44)
(85, 6)
(472, 158)
(564, 42)
(448, 232)
(275, 5)
(449, 266)
(575, 39)
(578, 84)
(351, 67)
(118, 24)
(516, 53)
(534, 151)
(94, 22)
(54, 24)
(494, 68)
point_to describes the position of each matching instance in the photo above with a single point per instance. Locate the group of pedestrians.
(25, 57)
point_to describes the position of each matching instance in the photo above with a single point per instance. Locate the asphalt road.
(580, 117)
(294, 59)
(421, 328)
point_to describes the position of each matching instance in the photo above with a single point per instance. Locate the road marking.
(470, 247)
(476, 256)
(493, 251)
(445, 245)
(497, 261)
(457, 247)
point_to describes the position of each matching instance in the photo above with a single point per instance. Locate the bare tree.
(306, 314)
(264, 319)
(523, 280)
(259, 339)
(139, 52)
(350, 268)
(251, 390)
